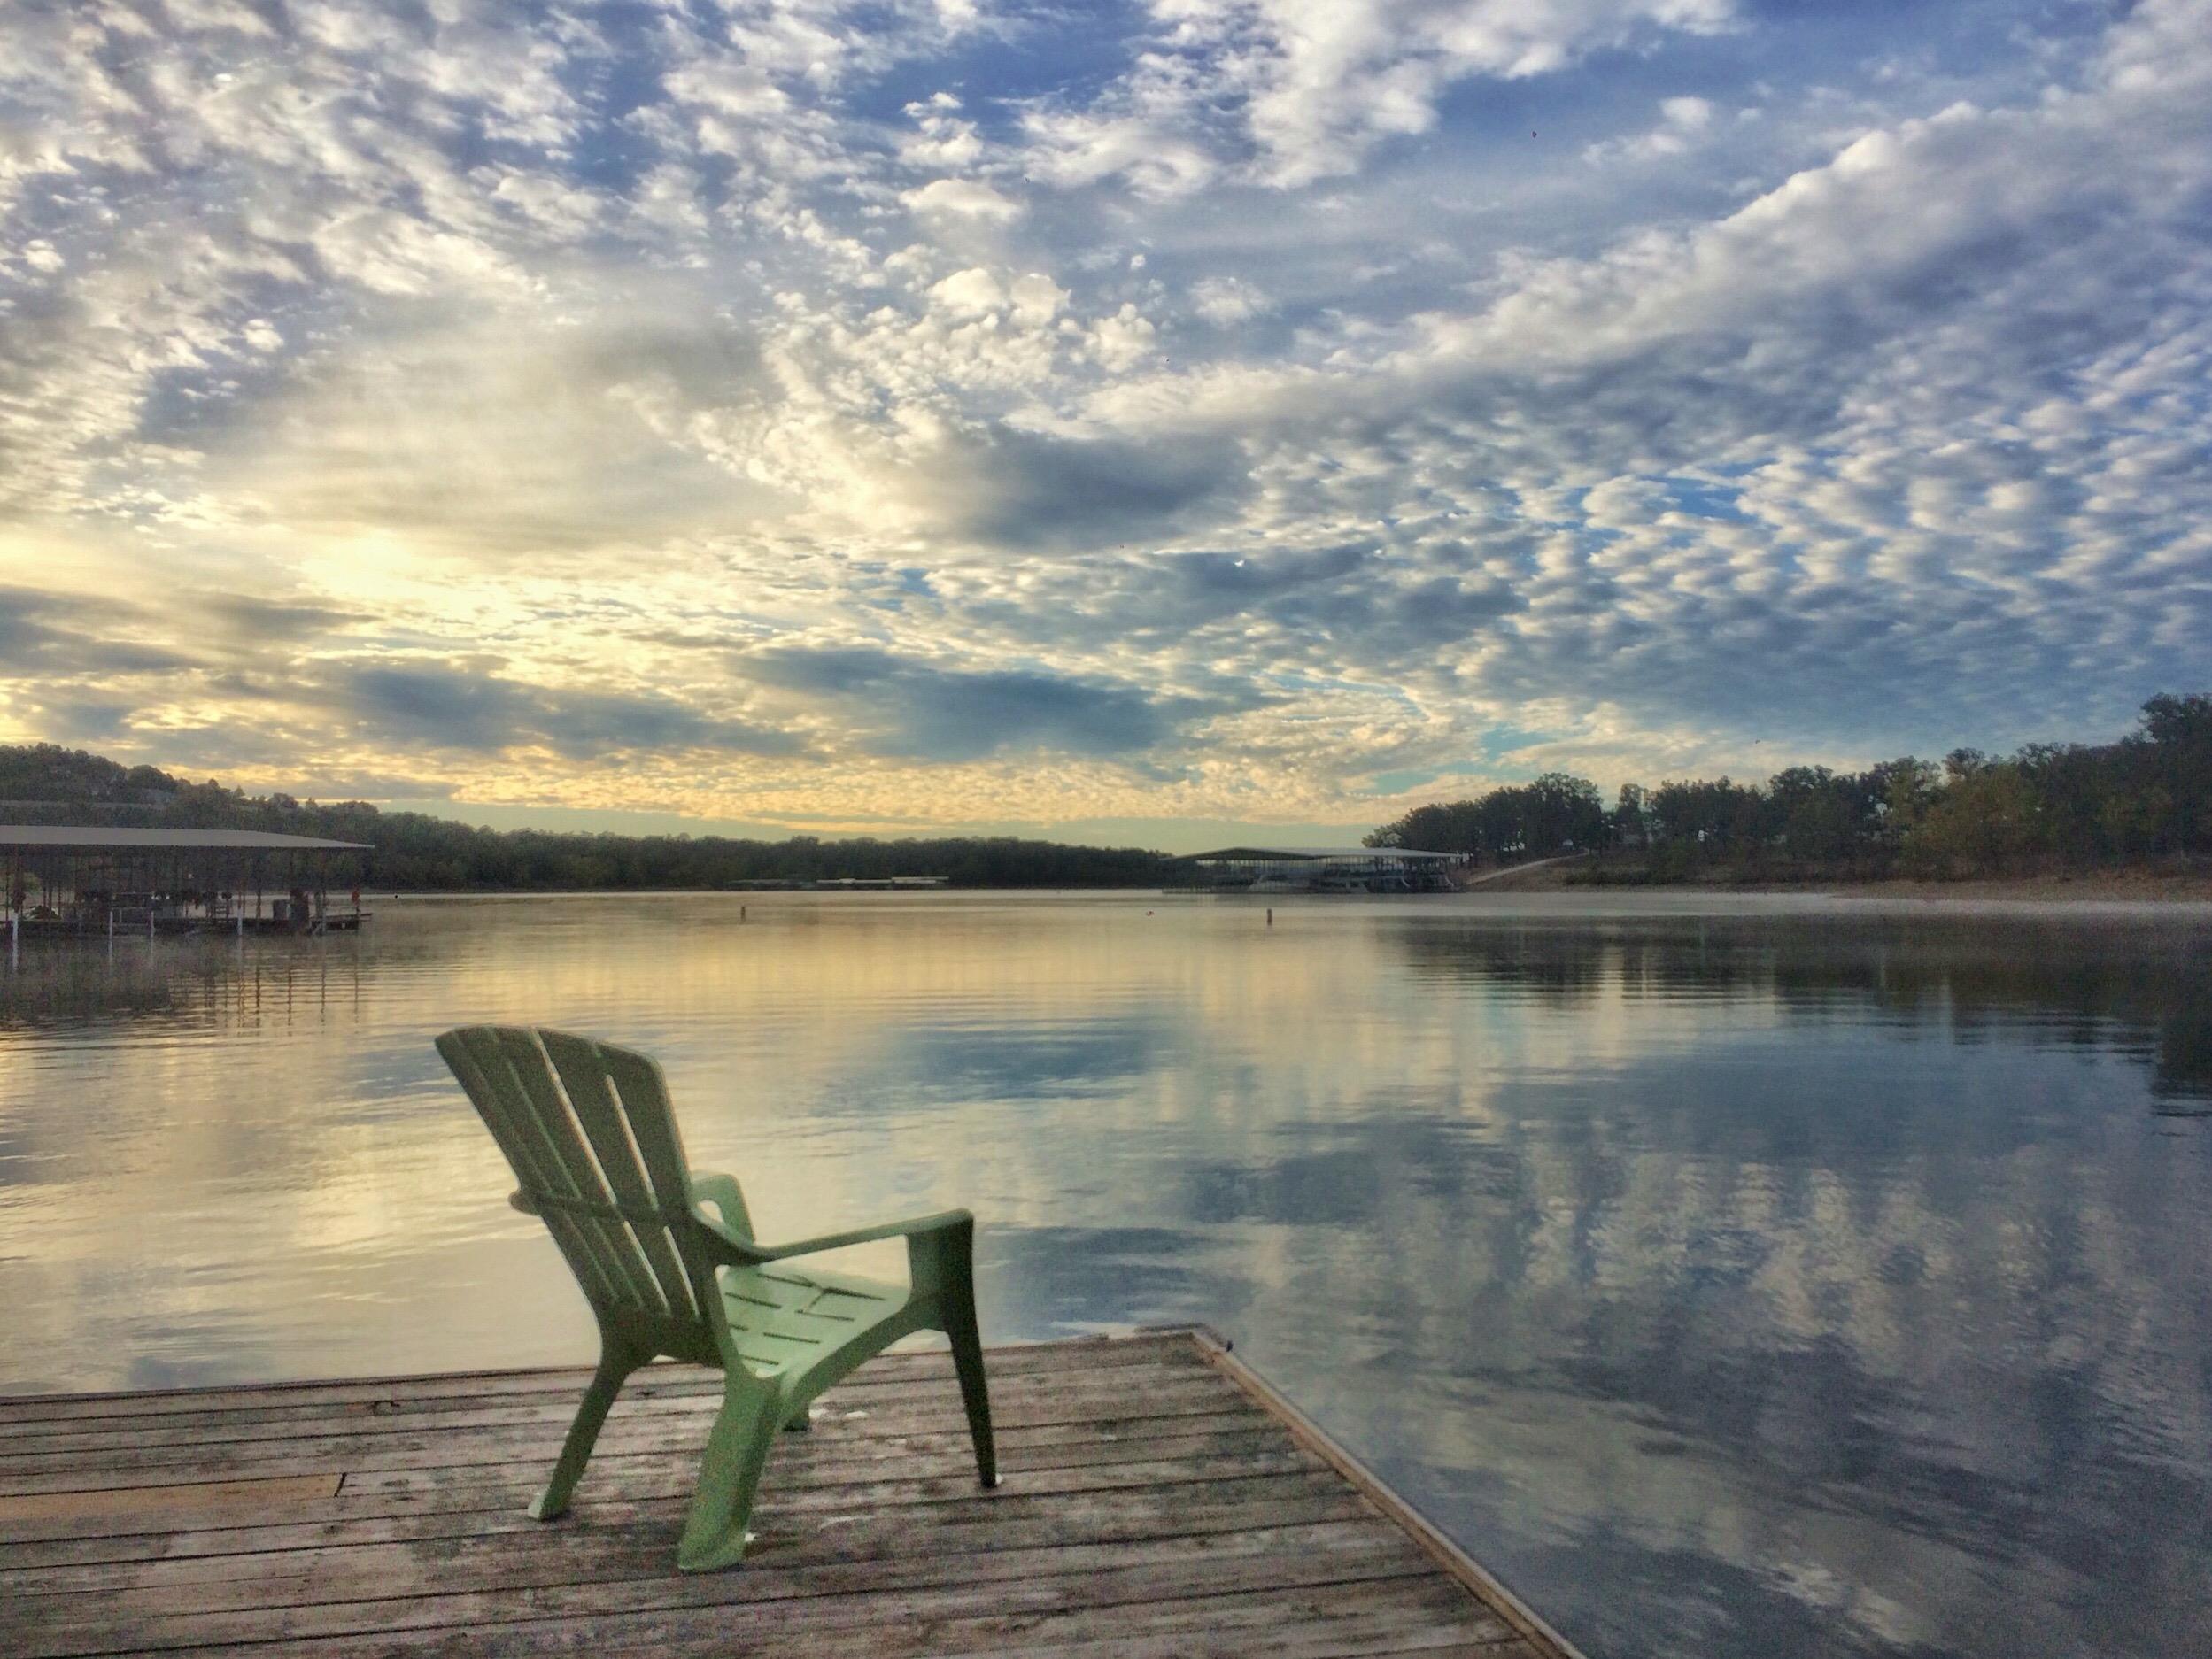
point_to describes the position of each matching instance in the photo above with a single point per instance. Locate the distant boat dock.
(77, 882)
(1282, 870)
(1157, 1497)
(843, 884)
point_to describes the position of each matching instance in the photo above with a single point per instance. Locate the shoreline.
(2078, 887)
(2115, 888)
(2099, 888)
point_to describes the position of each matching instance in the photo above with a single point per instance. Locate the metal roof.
(24, 835)
(1301, 854)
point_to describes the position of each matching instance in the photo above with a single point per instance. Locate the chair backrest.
(589, 1133)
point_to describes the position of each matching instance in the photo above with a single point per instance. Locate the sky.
(1154, 422)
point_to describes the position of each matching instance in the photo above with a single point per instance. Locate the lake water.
(1733, 1277)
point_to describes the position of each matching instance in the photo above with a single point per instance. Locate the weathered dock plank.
(1158, 1499)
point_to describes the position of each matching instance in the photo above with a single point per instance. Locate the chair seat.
(784, 1317)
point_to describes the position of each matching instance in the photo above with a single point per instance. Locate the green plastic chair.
(589, 1133)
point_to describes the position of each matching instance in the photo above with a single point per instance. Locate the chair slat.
(643, 1092)
(556, 1125)
(555, 1174)
(488, 1078)
(583, 1067)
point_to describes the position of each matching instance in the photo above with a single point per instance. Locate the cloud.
(1225, 301)
(528, 429)
(1018, 489)
(964, 198)
(1074, 148)
(1681, 119)
(49, 638)
(1305, 92)
(970, 293)
(251, 617)
(905, 709)
(444, 706)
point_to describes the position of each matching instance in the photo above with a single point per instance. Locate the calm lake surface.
(1733, 1277)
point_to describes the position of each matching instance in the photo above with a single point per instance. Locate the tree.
(1516, 820)
(1981, 824)
(1719, 813)
(1561, 810)
(2075, 787)
(1630, 827)
(1902, 791)
(2177, 733)
(1814, 811)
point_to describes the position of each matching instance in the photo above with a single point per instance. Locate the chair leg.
(975, 1393)
(615, 1365)
(729, 1474)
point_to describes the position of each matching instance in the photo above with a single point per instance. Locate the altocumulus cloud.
(876, 413)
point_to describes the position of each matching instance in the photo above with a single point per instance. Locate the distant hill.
(46, 784)
(46, 774)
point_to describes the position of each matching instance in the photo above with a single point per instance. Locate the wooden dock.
(1158, 1499)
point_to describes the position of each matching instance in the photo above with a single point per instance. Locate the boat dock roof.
(1299, 855)
(86, 838)
(1157, 1498)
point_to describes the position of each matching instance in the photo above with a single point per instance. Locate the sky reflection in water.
(1736, 1278)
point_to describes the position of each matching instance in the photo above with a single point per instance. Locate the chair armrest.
(915, 1225)
(722, 1191)
(522, 1201)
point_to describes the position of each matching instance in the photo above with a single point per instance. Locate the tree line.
(2146, 798)
(45, 783)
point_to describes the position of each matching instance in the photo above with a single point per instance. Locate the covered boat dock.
(1321, 871)
(81, 882)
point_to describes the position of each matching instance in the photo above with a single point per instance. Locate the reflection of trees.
(1551, 965)
(2183, 1076)
(201, 982)
(2138, 991)
(2141, 990)
(52, 986)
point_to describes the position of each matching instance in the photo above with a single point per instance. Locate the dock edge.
(1479, 1581)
